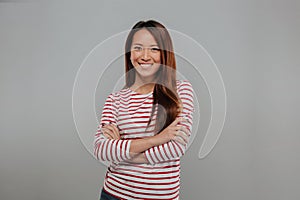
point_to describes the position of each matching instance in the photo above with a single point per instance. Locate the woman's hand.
(174, 131)
(111, 131)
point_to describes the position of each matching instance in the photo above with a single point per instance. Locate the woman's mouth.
(146, 65)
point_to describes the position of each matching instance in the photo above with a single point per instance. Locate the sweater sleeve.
(109, 149)
(173, 149)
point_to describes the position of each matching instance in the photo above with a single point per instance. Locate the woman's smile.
(146, 65)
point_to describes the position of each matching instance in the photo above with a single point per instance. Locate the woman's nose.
(145, 53)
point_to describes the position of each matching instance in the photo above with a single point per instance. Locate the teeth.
(146, 65)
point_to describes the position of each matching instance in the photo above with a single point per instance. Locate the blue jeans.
(106, 196)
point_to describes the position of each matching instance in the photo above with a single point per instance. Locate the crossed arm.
(169, 144)
(174, 132)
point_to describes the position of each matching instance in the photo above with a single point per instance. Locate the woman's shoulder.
(184, 84)
(119, 93)
(185, 91)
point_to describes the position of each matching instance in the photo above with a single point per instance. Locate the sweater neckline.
(140, 94)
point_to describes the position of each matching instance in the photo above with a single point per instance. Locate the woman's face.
(145, 54)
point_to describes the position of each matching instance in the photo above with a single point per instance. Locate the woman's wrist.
(140, 145)
(139, 159)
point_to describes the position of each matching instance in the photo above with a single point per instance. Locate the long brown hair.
(165, 90)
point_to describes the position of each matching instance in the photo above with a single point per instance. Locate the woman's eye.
(155, 49)
(137, 48)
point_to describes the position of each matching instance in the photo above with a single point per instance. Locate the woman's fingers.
(180, 128)
(116, 131)
(185, 131)
(113, 130)
(176, 128)
(182, 135)
(180, 140)
(175, 131)
(176, 121)
(108, 133)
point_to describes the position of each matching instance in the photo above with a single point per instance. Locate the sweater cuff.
(127, 150)
(149, 157)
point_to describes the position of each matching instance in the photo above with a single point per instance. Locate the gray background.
(255, 44)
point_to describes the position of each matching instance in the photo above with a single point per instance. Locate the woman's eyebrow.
(142, 45)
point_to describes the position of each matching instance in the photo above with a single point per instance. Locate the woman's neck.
(143, 89)
(143, 86)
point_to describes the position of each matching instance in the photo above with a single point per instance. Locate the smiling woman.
(145, 127)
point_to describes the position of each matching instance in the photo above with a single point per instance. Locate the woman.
(145, 127)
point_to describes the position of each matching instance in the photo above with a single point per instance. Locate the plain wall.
(255, 45)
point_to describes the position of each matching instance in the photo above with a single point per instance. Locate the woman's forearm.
(140, 145)
(139, 158)
(170, 133)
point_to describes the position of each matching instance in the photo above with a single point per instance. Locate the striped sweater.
(160, 177)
